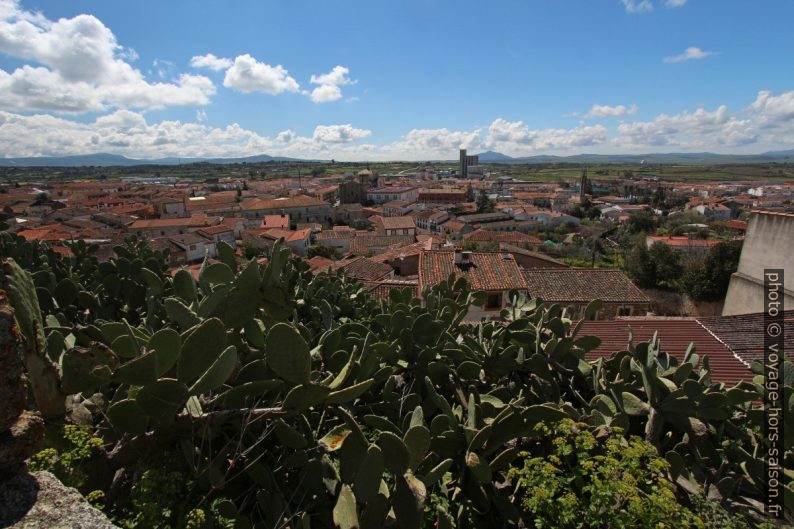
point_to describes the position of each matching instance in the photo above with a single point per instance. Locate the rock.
(38, 500)
(12, 380)
(20, 441)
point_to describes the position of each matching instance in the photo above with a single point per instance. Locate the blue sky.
(409, 79)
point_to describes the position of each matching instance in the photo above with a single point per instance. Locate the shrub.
(588, 483)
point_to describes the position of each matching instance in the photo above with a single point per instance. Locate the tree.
(641, 221)
(667, 263)
(484, 204)
(321, 250)
(708, 279)
(640, 266)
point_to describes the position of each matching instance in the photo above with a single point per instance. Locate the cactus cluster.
(313, 405)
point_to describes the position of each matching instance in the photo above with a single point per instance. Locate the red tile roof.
(582, 285)
(744, 333)
(484, 270)
(675, 336)
(515, 237)
(683, 241)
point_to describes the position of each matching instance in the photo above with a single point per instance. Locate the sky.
(394, 80)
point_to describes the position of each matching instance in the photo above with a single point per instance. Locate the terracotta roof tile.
(582, 285)
(675, 336)
(485, 270)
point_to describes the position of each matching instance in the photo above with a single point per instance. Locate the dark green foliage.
(319, 250)
(284, 395)
(708, 280)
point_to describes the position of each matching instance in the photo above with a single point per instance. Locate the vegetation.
(320, 250)
(265, 396)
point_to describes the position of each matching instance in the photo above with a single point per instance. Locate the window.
(493, 301)
(192, 247)
(625, 311)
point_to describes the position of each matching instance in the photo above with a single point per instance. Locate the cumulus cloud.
(701, 128)
(330, 83)
(637, 6)
(514, 135)
(773, 111)
(675, 3)
(606, 111)
(247, 74)
(691, 53)
(339, 133)
(767, 123)
(210, 61)
(127, 132)
(80, 67)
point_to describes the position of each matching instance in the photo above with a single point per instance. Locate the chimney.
(462, 257)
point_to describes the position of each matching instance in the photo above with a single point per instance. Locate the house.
(429, 219)
(492, 272)
(300, 208)
(338, 237)
(397, 208)
(169, 227)
(394, 225)
(363, 269)
(190, 247)
(382, 195)
(455, 229)
(169, 207)
(530, 259)
(512, 237)
(219, 233)
(714, 211)
(275, 221)
(574, 288)
(373, 244)
(445, 195)
(691, 247)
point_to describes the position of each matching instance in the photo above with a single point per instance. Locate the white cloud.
(330, 83)
(249, 75)
(688, 130)
(127, 132)
(515, 136)
(285, 136)
(691, 53)
(773, 111)
(201, 116)
(765, 124)
(637, 6)
(81, 67)
(210, 61)
(606, 111)
(339, 133)
(675, 3)
(326, 93)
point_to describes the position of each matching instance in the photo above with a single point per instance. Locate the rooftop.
(483, 270)
(675, 336)
(582, 285)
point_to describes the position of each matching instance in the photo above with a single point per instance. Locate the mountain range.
(117, 160)
(681, 158)
(698, 158)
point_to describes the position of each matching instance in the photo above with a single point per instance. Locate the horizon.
(627, 78)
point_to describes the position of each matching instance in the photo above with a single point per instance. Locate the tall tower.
(463, 172)
(583, 184)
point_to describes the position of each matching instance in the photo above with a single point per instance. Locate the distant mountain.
(685, 158)
(117, 160)
(495, 157)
